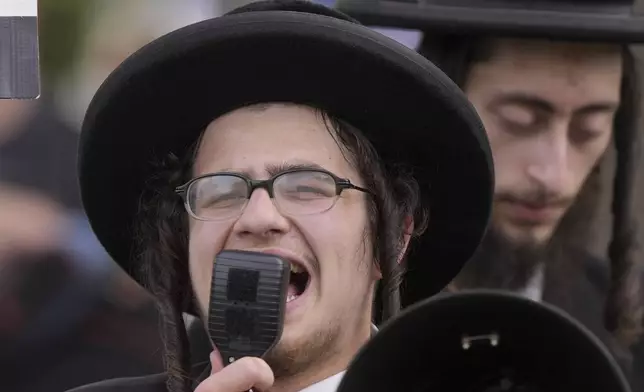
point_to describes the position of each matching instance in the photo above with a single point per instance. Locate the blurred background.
(68, 315)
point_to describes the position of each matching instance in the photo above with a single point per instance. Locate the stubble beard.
(502, 263)
(288, 359)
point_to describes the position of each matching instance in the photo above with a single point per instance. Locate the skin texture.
(548, 108)
(325, 329)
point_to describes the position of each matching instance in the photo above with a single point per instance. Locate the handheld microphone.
(247, 303)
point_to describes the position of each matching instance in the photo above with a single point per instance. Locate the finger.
(240, 376)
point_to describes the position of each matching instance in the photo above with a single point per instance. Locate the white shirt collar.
(332, 383)
(534, 288)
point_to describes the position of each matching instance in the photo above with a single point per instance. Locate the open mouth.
(298, 282)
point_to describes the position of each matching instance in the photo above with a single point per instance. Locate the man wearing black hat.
(324, 115)
(554, 83)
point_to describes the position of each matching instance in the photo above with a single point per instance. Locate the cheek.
(587, 158)
(354, 248)
(510, 160)
(206, 240)
(507, 152)
(337, 238)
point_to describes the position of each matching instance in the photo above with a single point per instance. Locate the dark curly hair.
(162, 236)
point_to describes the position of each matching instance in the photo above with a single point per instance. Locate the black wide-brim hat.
(474, 340)
(583, 20)
(160, 99)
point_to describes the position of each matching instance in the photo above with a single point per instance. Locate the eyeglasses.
(220, 196)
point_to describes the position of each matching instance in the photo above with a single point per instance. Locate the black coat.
(582, 293)
(152, 383)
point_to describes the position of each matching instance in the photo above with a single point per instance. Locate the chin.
(532, 236)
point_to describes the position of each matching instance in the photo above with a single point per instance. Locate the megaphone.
(483, 341)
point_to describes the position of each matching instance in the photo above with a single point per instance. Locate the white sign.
(18, 7)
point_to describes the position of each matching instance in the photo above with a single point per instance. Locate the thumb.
(216, 361)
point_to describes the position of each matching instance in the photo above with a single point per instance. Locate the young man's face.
(548, 109)
(331, 318)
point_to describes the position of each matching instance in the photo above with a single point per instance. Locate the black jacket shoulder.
(151, 383)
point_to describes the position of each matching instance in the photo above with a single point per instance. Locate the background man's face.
(333, 314)
(548, 109)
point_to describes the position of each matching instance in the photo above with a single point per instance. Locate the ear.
(408, 229)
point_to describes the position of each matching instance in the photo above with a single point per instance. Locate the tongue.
(292, 290)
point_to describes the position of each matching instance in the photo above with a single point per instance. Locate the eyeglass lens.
(222, 196)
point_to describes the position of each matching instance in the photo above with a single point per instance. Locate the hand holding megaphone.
(483, 341)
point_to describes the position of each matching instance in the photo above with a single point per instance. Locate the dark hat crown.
(586, 20)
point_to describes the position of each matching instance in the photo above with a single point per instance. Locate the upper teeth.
(296, 268)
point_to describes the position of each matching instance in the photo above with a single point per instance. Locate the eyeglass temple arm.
(346, 184)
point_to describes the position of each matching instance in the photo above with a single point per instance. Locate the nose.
(260, 218)
(549, 162)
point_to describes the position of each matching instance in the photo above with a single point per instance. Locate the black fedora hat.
(594, 20)
(483, 341)
(160, 99)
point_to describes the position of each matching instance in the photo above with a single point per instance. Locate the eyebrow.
(284, 166)
(535, 102)
(273, 169)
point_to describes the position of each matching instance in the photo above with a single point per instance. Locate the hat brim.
(538, 344)
(498, 21)
(160, 99)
